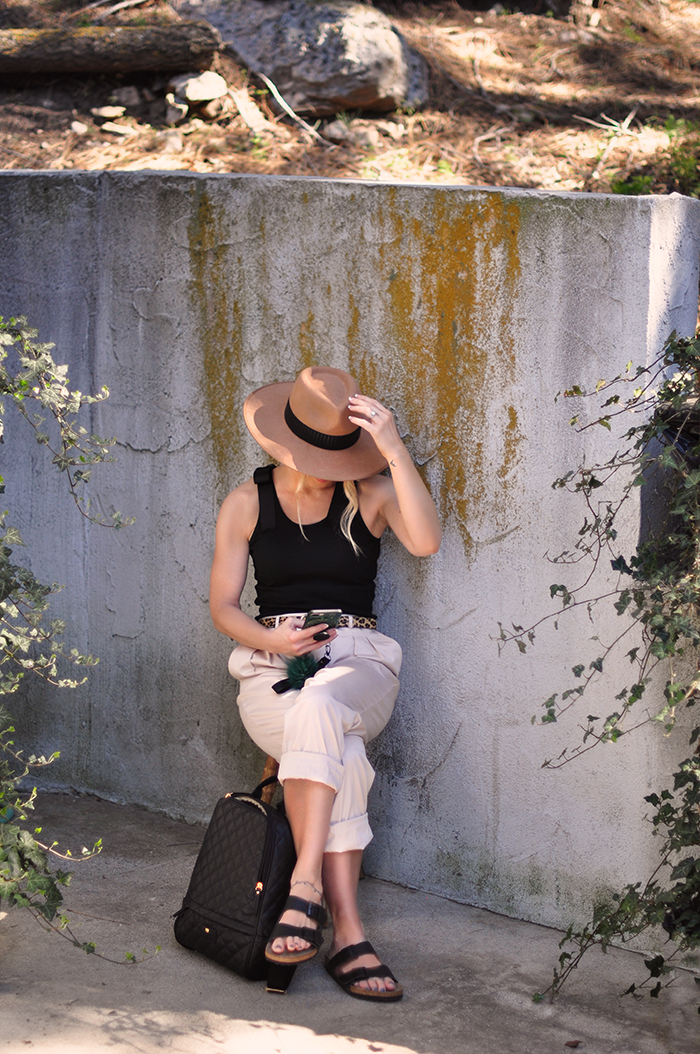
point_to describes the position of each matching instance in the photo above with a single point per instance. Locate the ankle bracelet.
(303, 882)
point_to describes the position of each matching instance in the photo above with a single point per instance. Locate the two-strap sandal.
(349, 978)
(314, 936)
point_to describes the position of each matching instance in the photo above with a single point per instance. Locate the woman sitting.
(313, 526)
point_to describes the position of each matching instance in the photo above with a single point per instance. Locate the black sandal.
(348, 980)
(313, 936)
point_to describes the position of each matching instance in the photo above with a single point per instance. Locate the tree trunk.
(115, 49)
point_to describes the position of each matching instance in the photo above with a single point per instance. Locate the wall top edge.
(369, 186)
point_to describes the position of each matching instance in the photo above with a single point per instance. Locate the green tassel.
(300, 668)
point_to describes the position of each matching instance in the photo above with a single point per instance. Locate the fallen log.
(108, 49)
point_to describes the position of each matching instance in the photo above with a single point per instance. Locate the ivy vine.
(657, 599)
(31, 643)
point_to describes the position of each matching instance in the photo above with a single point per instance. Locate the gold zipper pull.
(258, 888)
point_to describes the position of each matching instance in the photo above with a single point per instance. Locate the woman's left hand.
(378, 421)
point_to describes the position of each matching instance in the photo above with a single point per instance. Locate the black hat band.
(318, 439)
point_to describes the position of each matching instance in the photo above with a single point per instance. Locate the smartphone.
(317, 617)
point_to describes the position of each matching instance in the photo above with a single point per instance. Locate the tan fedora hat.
(305, 425)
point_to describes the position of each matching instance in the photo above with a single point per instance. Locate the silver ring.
(373, 413)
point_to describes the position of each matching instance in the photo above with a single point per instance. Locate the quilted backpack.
(239, 884)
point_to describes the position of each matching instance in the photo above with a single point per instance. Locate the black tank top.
(294, 573)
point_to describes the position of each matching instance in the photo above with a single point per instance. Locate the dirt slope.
(517, 99)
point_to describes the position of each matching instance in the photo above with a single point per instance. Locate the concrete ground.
(469, 975)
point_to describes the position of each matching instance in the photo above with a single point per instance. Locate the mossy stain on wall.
(307, 342)
(512, 437)
(220, 328)
(450, 280)
(353, 328)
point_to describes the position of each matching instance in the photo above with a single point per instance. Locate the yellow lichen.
(450, 281)
(220, 327)
(307, 342)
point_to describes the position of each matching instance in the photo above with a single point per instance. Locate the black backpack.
(239, 884)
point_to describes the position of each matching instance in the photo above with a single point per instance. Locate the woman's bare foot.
(306, 890)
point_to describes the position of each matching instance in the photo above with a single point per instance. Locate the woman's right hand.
(290, 639)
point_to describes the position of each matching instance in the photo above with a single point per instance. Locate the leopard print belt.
(353, 621)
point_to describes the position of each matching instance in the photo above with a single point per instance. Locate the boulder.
(324, 56)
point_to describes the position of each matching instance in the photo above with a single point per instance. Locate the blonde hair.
(349, 512)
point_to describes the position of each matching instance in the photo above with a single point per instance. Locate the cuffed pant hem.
(319, 768)
(349, 834)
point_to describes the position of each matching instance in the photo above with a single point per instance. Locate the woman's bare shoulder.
(377, 488)
(240, 508)
(374, 494)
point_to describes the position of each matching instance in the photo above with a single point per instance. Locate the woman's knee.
(358, 773)
(320, 721)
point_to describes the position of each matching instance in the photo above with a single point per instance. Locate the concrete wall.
(467, 310)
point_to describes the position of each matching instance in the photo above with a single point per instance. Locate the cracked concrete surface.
(466, 309)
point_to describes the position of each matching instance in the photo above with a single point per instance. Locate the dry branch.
(288, 110)
(114, 49)
(251, 115)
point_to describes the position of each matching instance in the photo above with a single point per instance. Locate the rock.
(254, 119)
(127, 96)
(393, 129)
(79, 128)
(175, 111)
(211, 110)
(365, 138)
(217, 108)
(324, 57)
(170, 142)
(365, 135)
(118, 129)
(337, 132)
(214, 146)
(108, 112)
(199, 87)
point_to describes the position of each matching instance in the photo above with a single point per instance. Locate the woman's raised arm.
(404, 502)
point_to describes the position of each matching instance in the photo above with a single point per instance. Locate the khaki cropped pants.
(319, 732)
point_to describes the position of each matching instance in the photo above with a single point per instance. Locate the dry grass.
(519, 100)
